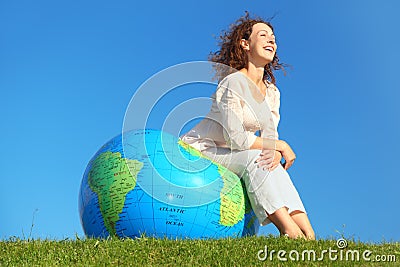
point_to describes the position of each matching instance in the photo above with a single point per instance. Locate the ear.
(245, 44)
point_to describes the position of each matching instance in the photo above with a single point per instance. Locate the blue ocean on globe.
(148, 182)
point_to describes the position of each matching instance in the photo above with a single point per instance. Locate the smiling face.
(261, 45)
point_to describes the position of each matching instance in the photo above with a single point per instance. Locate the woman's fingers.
(276, 161)
(287, 164)
(264, 162)
(269, 160)
(273, 167)
(289, 157)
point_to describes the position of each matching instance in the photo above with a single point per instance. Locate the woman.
(245, 102)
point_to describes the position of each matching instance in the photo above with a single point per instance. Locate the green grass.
(155, 252)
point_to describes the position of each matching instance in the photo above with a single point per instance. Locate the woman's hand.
(287, 153)
(269, 159)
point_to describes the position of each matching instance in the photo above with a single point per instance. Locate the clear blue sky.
(68, 70)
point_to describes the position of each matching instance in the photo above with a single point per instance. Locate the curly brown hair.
(233, 55)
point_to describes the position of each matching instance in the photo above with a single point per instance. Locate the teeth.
(269, 49)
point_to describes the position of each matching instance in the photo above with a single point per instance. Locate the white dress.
(227, 133)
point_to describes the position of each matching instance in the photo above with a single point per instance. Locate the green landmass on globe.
(111, 178)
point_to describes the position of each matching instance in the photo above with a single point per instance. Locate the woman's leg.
(301, 219)
(285, 223)
(242, 163)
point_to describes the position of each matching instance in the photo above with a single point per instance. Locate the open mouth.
(269, 48)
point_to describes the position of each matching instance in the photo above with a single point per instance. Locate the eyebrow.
(266, 32)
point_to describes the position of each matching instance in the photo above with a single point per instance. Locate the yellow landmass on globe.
(232, 198)
(111, 177)
(232, 207)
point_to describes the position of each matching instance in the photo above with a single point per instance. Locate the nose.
(271, 41)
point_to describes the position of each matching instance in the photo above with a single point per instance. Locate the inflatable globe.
(148, 182)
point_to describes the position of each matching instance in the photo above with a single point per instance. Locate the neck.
(255, 73)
